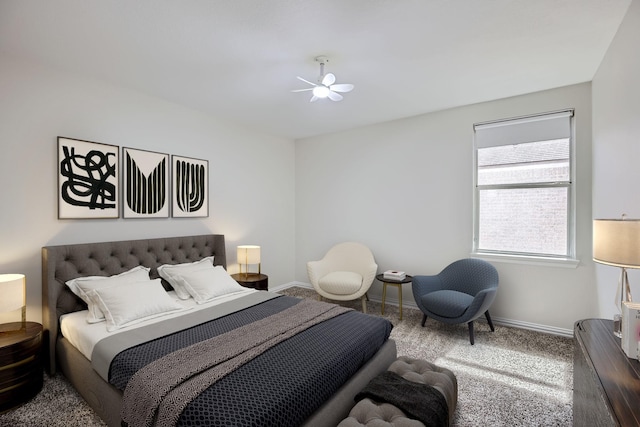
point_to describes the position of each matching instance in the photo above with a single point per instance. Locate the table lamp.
(13, 295)
(616, 242)
(248, 254)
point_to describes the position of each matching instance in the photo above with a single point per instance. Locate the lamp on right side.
(616, 242)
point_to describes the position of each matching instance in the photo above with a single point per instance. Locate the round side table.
(21, 373)
(396, 283)
(252, 280)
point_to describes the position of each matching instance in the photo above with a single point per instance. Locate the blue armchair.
(460, 293)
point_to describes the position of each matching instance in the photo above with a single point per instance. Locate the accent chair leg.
(424, 319)
(471, 333)
(486, 314)
(364, 303)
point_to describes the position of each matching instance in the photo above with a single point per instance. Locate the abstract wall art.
(190, 187)
(145, 184)
(87, 179)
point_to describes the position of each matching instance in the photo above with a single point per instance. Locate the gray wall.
(616, 144)
(251, 175)
(404, 188)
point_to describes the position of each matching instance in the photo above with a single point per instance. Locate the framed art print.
(87, 179)
(190, 187)
(145, 184)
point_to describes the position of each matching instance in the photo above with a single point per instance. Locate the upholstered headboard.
(66, 262)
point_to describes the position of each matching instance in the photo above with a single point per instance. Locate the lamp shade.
(11, 292)
(248, 254)
(617, 242)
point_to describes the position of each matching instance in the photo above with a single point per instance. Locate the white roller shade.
(542, 127)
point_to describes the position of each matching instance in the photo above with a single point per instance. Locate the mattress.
(84, 336)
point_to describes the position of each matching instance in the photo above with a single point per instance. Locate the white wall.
(251, 176)
(616, 144)
(404, 188)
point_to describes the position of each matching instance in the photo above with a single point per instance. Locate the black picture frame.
(190, 187)
(145, 184)
(87, 179)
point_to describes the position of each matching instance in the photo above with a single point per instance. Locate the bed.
(63, 263)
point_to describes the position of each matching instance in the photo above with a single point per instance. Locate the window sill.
(529, 260)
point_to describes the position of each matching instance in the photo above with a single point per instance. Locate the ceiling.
(238, 59)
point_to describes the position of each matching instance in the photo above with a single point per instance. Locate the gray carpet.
(510, 377)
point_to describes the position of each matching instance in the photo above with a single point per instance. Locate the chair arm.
(424, 284)
(369, 274)
(481, 303)
(316, 270)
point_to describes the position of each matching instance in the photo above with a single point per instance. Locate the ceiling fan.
(326, 86)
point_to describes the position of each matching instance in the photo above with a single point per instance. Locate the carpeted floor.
(511, 377)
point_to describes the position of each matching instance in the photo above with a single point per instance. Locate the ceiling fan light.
(321, 91)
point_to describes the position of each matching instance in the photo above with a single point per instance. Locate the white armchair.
(345, 273)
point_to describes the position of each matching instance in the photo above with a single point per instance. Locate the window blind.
(541, 127)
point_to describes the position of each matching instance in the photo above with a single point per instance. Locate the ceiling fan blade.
(302, 90)
(344, 87)
(306, 81)
(328, 79)
(314, 98)
(335, 96)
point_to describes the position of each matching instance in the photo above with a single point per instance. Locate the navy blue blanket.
(283, 386)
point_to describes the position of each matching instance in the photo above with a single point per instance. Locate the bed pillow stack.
(123, 299)
(208, 283)
(169, 271)
(131, 297)
(84, 286)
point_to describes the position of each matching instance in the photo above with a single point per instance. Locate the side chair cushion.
(341, 282)
(447, 303)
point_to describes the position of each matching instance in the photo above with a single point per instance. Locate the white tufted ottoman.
(372, 414)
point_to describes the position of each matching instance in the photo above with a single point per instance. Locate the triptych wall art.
(154, 185)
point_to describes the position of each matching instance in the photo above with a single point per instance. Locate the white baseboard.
(290, 285)
(497, 320)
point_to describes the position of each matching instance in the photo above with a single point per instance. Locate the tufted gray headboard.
(65, 262)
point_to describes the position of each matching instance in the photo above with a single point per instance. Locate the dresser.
(21, 372)
(606, 383)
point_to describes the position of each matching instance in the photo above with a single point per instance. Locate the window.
(523, 186)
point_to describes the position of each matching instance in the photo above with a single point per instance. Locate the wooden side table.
(606, 383)
(252, 280)
(20, 363)
(396, 283)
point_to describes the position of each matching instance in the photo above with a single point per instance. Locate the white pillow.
(82, 286)
(131, 303)
(169, 271)
(208, 283)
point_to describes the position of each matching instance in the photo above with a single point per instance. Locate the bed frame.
(63, 263)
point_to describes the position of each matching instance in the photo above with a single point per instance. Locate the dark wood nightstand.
(252, 280)
(20, 363)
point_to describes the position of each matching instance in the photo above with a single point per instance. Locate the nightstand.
(252, 280)
(20, 363)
